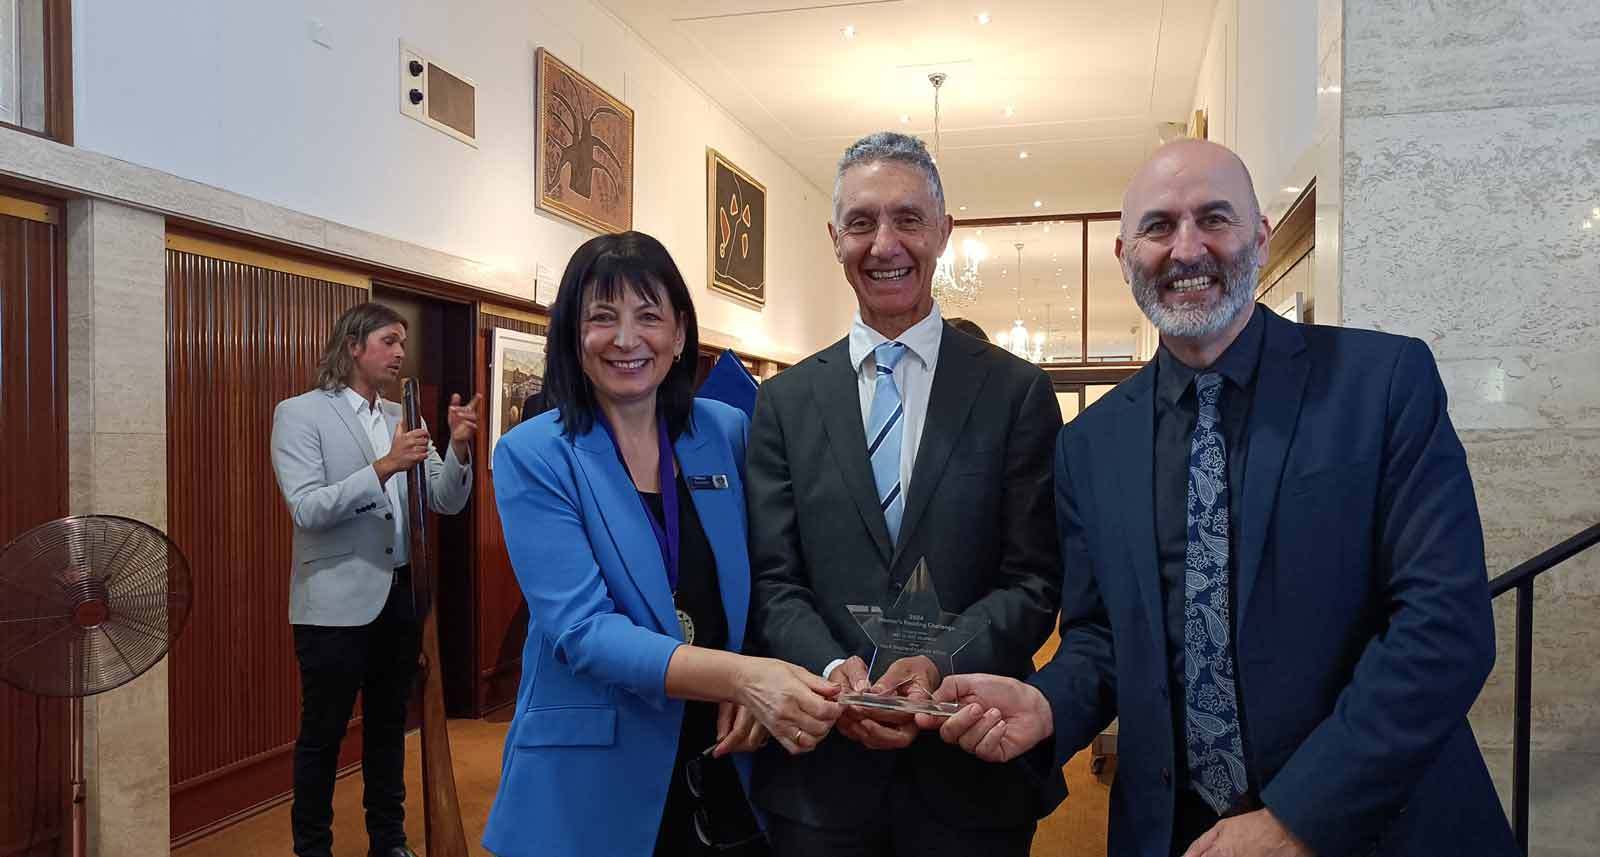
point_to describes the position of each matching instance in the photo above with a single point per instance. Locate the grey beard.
(1238, 288)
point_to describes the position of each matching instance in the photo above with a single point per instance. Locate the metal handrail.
(1521, 579)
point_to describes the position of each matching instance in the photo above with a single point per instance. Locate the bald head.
(1187, 162)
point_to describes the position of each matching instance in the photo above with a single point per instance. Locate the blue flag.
(729, 382)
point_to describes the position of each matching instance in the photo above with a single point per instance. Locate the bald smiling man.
(1273, 569)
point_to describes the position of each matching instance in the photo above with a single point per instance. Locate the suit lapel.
(723, 520)
(1130, 471)
(348, 417)
(956, 380)
(1280, 385)
(839, 399)
(624, 517)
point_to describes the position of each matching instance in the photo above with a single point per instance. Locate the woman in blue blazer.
(623, 511)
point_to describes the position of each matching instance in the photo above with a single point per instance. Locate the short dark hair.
(603, 267)
(352, 328)
(969, 327)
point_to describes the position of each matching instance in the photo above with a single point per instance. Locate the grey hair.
(889, 146)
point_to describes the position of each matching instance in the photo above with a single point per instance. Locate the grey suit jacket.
(343, 527)
(979, 511)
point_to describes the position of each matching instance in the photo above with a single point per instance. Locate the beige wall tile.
(130, 476)
(1465, 229)
(1403, 56)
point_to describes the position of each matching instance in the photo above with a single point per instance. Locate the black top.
(1174, 425)
(699, 596)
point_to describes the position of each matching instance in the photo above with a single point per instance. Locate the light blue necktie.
(1211, 705)
(885, 426)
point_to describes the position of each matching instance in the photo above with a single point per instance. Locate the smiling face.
(1192, 239)
(888, 233)
(376, 361)
(628, 343)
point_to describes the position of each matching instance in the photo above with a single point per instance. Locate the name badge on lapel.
(710, 482)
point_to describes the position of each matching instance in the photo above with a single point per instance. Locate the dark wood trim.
(1294, 237)
(1038, 218)
(390, 277)
(187, 806)
(1108, 373)
(1083, 316)
(58, 70)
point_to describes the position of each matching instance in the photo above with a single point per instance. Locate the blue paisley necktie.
(1211, 722)
(886, 424)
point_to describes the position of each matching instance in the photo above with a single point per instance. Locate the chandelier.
(1016, 340)
(949, 289)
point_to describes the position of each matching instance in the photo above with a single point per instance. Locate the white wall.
(236, 94)
(1258, 85)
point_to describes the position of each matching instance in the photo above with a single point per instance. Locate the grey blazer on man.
(979, 509)
(343, 528)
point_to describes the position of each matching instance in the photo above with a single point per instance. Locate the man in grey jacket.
(342, 455)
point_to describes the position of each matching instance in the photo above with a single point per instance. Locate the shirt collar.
(921, 339)
(360, 404)
(1237, 364)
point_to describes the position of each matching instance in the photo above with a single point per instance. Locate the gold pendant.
(687, 624)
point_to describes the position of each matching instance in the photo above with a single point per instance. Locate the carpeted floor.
(1076, 829)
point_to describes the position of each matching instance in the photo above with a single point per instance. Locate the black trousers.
(904, 829)
(378, 659)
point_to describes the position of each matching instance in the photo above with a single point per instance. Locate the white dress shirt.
(371, 418)
(913, 377)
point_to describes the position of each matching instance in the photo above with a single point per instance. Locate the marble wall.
(117, 438)
(1470, 193)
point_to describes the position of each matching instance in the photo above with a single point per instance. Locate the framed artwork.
(736, 231)
(516, 371)
(584, 156)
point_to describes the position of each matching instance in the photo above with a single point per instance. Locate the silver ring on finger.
(797, 734)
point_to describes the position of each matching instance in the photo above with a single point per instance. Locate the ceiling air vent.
(438, 98)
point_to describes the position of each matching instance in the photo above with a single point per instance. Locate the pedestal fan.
(87, 604)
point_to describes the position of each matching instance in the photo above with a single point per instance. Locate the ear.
(833, 236)
(1263, 240)
(949, 225)
(1117, 250)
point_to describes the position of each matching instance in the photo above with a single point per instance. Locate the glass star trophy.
(914, 625)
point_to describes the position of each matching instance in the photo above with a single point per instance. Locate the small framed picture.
(516, 372)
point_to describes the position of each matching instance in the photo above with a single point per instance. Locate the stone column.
(1471, 219)
(117, 443)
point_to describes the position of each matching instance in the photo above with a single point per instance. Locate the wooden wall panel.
(240, 338)
(502, 611)
(34, 756)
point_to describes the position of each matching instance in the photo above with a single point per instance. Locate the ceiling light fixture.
(983, 18)
(849, 31)
(1022, 155)
(1290, 189)
(948, 289)
(1037, 203)
(904, 119)
(1010, 111)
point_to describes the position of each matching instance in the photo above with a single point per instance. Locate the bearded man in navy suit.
(1273, 569)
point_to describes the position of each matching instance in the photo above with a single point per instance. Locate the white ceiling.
(1089, 81)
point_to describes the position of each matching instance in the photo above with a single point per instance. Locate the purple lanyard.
(667, 536)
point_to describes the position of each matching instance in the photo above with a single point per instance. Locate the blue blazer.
(590, 753)
(1362, 630)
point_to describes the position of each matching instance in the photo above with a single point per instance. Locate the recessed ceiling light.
(1291, 189)
(983, 18)
(1010, 111)
(1047, 227)
(1023, 155)
(963, 208)
(1037, 203)
(849, 31)
(904, 119)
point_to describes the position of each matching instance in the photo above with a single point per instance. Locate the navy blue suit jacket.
(589, 756)
(1363, 631)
